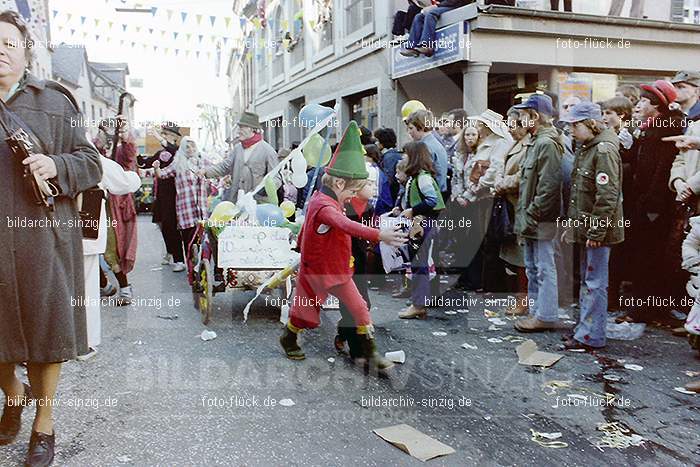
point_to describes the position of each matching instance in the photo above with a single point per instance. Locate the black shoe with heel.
(11, 421)
(41, 450)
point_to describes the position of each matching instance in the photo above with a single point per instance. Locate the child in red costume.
(325, 243)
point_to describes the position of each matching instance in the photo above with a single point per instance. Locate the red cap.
(664, 90)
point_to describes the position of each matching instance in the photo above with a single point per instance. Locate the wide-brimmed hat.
(494, 121)
(251, 120)
(171, 127)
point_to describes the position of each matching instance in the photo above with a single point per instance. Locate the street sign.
(453, 46)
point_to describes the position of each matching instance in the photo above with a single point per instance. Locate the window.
(260, 55)
(93, 112)
(276, 44)
(296, 33)
(358, 14)
(363, 109)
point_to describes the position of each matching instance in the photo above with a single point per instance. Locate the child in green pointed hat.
(326, 257)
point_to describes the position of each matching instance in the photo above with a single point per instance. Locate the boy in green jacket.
(595, 218)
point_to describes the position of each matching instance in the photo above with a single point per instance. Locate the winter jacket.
(539, 202)
(651, 160)
(686, 167)
(595, 209)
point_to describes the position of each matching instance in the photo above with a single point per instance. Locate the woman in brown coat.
(42, 314)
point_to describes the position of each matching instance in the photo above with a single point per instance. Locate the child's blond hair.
(350, 183)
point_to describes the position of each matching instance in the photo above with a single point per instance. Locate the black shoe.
(11, 421)
(288, 340)
(41, 450)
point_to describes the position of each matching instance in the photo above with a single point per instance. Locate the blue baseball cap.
(539, 102)
(584, 111)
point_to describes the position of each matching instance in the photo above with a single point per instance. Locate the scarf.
(256, 138)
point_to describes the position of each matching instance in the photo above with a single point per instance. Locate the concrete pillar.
(476, 87)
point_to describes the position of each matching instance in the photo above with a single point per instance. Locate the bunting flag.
(175, 35)
(197, 53)
(188, 36)
(82, 19)
(153, 10)
(55, 12)
(199, 19)
(227, 20)
(213, 20)
(170, 14)
(155, 48)
(138, 29)
(97, 22)
(68, 16)
(124, 26)
(150, 31)
(201, 36)
(72, 31)
(97, 37)
(110, 24)
(184, 16)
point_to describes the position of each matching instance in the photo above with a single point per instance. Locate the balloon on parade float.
(313, 148)
(224, 212)
(269, 215)
(299, 180)
(271, 191)
(298, 163)
(288, 208)
(313, 114)
(411, 106)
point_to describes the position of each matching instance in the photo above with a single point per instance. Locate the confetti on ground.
(450, 312)
(463, 310)
(692, 374)
(331, 360)
(287, 403)
(493, 327)
(548, 440)
(616, 436)
(684, 391)
(490, 314)
(497, 321)
(495, 340)
(469, 346)
(439, 334)
(577, 350)
(632, 367)
(612, 378)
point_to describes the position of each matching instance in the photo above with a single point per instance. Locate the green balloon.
(271, 191)
(313, 148)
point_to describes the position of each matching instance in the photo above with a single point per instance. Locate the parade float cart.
(239, 257)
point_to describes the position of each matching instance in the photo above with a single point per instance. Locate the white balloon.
(298, 163)
(299, 179)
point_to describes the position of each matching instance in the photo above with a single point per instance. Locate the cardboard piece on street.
(529, 355)
(413, 442)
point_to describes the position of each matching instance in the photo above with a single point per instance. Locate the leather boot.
(288, 340)
(369, 355)
(41, 450)
(11, 421)
(693, 386)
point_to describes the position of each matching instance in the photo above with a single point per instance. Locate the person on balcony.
(422, 38)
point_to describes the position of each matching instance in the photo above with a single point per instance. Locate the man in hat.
(656, 271)
(251, 159)
(327, 229)
(595, 212)
(687, 84)
(539, 208)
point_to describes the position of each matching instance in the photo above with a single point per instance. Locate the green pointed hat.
(349, 158)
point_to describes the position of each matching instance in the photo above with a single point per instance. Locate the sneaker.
(179, 267)
(108, 290)
(532, 324)
(409, 52)
(87, 356)
(125, 296)
(167, 259)
(413, 312)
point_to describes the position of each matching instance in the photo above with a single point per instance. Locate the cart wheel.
(193, 272)
(206, 296)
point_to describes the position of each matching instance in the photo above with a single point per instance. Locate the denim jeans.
(593, 299)
(423, 28)
(542, 279)
(420, 270)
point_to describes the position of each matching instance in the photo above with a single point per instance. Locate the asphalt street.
(158, 395)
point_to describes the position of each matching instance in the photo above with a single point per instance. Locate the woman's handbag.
(500, 225)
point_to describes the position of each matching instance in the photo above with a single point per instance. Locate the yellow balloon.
(410, 107)
(288, 209)
(224, 212)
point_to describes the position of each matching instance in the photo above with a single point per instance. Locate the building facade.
(339, 55)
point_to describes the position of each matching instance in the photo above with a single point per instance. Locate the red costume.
(326, 268)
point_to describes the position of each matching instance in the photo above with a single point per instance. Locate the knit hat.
(349, 157)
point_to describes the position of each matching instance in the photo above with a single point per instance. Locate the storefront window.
(364, 109)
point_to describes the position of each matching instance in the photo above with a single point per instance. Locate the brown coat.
(42, 316)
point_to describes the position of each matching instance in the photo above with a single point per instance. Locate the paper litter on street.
(529, 355)
(413, 442)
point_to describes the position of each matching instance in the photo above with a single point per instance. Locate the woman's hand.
(41, 165)
(462, 202)
(408, 214)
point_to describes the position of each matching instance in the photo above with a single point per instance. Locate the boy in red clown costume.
(326, 260)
